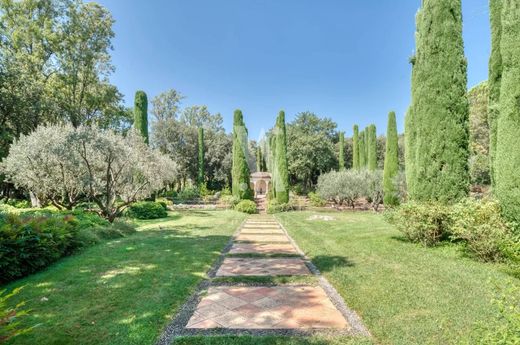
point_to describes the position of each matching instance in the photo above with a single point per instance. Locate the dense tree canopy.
(479, 140)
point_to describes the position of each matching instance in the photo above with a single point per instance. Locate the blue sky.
(344, 59)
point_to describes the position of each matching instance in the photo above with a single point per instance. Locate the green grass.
(124, 291)
(405, 293)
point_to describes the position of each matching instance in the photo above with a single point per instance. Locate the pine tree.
(372, 148)
(141, 114)
(439, 105)
(341, 151)
(361, 148)
(200, 176)
(282, 182)
(391, 168)
(507, 160)
(355, 148)
(495, 76)
(240, 170)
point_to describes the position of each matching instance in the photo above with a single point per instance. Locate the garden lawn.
(405, 293)
(124, 291)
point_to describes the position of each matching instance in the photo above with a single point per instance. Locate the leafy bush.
(229, 201)
(19, 203)
(315, 200)
(146, 210)
(273, 206)
(246, 206)
(32, 241)
(9, 324)
(479, 224)
(426, 223)
(187, 194)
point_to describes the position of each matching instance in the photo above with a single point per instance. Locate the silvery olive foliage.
(347, 186)
(64, 164)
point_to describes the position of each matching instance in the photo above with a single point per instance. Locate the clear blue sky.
(344, 59)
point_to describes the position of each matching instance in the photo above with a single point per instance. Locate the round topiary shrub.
(246, 206)
(146, 210)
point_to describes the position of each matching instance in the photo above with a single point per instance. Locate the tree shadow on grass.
(327, 263)
(118, 292)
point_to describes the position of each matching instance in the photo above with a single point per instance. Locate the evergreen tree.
(495, 77)
(439, 105)
(141, 114)
(272, 167)
(341, 151)
(282, 181)
(409, 151)
(200, 176)
(355, 148)
(372, 148)
(507, 160)
(361, 148)
(391, 168)
(259, 159)
(240, 170)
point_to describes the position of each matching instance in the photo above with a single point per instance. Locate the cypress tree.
(141, 114)
(440, 147)
(495, 76)
(391, 162)
(272, 166)
(259, 159)
(361, 148)
(341, 151)
(372, 148)
(240, 170)
(282, 181)
(200, 176)
(355, 148)
(409, 150)
(507, 159)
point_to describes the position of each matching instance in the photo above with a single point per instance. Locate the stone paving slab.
(276, 231)
(262, 248)
(262, 226)
(261, 238)
(276, 307)
(233, 267)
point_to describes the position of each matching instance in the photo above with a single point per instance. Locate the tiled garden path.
(246, 304)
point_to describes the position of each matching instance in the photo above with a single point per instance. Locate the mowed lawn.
(124, 291)
(405, 294)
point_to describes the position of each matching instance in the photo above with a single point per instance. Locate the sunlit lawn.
(124, 291)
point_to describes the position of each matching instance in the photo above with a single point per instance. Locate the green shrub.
(19, 203)
(229, 201)
(315, 200)
(274, 206)
(480, 225)
(9, 317)
(426, 223)
(146, 210)
(187, 194)
(246, 206)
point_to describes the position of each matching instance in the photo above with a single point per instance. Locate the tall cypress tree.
(361, 148)
(410, 150)
(282, 182)
(341, 151)
(200, 175)
(272, 167)
(240, 170)
(141, 114)
(391, 162)
(495, 77)
(355, 148)
(439, 105)
(507, 160)
(372, 148)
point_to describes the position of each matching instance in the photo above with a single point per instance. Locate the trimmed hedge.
(246, 206)
(147, 210)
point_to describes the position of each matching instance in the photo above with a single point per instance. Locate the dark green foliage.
(440, 151)
(494, 79)
(355, 148)
(141, 114)
(246, 206)
(479, 160)
(316, 200)
(341, 159)
(362, 150)
(260, 160)
(146, 210)
(410, 150)
(201, 174)
(507, 163)
(391, 169)
(372, 148)
(282, 174)
(240, 170)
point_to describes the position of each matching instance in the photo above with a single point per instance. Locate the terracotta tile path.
(295, 307)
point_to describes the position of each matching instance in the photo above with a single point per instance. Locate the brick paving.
(265, 307)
